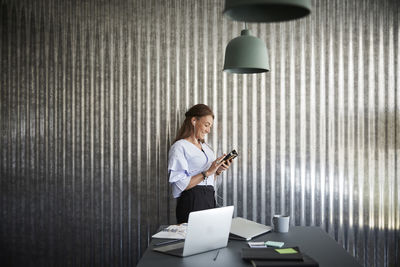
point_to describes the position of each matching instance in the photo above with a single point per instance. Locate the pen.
(167, 242)
(215, 258)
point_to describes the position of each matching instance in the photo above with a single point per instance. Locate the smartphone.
(233, 154)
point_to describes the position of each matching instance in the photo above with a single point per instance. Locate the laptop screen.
(208, 230)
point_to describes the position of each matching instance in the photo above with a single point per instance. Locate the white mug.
(281, 223)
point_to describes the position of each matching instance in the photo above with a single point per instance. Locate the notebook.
(272, 254)
(243, 229)
(207, 230)
(306, 262)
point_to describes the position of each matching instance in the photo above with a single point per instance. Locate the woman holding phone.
(192, 165)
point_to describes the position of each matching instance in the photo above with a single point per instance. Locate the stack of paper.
(177, 231)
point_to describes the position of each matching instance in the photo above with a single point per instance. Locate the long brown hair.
(187, 128)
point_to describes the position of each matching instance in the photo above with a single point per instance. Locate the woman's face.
(202, 126)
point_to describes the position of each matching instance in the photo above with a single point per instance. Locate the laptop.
(243, 229)
(207, 230)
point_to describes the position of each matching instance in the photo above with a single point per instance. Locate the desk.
(311, 240)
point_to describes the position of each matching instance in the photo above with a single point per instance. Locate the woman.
(192, 166)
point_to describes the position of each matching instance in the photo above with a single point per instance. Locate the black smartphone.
(233, 154)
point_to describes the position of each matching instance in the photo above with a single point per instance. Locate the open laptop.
(207, 230)
(243, 229)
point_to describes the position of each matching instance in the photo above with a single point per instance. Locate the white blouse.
(186, 160)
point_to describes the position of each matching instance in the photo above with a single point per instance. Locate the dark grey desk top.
(311, 240)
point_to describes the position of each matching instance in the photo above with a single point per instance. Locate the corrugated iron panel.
(92, 94)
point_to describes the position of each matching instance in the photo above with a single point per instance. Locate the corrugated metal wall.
(92, 93)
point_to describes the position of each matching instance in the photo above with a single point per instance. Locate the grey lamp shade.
(246, 54)
(266, 10)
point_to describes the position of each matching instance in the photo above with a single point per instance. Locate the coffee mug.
(281, 223)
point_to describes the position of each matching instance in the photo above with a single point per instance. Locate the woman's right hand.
(215, 165)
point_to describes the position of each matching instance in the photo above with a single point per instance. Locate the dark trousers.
(200, 197)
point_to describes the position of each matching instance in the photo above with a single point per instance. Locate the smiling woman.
(192, 166)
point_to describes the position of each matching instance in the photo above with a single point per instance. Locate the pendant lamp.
(266, 10)
(246, 54)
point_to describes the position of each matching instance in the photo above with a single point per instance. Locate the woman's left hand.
(224, 167)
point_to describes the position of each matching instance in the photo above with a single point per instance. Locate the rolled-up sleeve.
(179, 177)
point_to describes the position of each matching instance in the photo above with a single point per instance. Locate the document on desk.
(176, 231)
(266, 244)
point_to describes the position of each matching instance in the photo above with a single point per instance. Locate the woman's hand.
(225, 165)
(215, 165)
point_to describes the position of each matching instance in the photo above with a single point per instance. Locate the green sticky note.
(286, 251)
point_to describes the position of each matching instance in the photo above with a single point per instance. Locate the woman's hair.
(187, 128)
